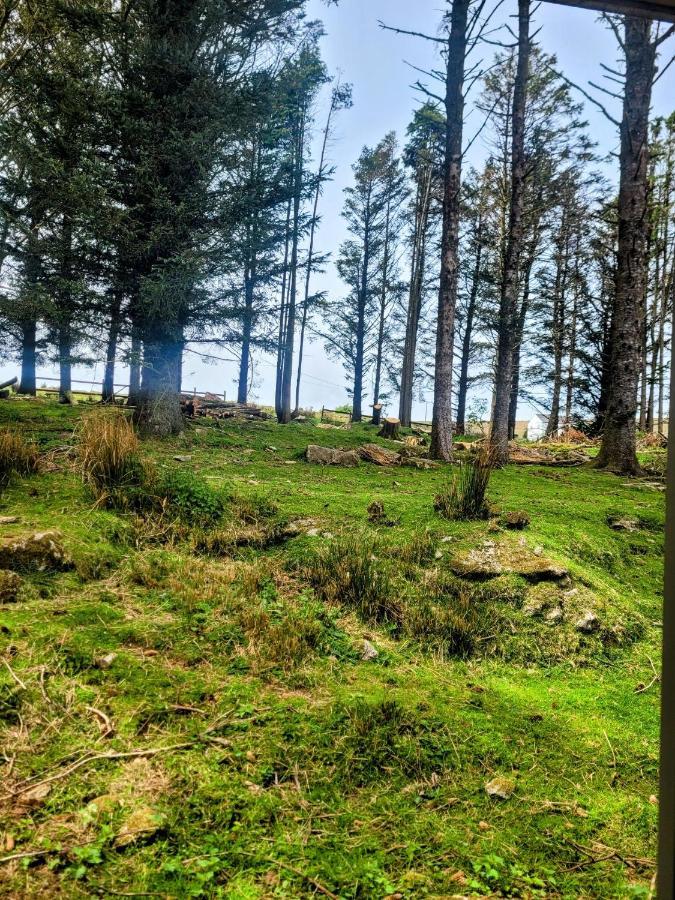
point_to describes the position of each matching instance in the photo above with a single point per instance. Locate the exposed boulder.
(10, 585)
(506, 558)
(379, 455)
(42, 552)
(328, 456)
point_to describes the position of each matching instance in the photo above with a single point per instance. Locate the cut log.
(379, 455)
(390, 429)
(377, 413)
(6, 384)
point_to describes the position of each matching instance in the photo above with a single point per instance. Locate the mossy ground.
(299, 769)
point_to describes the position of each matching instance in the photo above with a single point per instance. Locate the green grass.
(295, 762)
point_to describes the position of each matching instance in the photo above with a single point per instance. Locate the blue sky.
(375, 63)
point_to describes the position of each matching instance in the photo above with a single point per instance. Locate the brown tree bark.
(499, 431)
(617, 451)
(441, 427)
(418, 263)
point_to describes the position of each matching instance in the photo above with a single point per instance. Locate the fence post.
(322, 409)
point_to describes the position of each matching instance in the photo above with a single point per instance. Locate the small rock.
(500, 788)
(588, 623)
(438, 554)
(368, 651)
(41, 551)
(620, 523)
(554, 616)
(141, 824)
(312, 532)
(105, 662)
(516, 520)
(9, 520)
(327, 456)
(10, 584)
(182, 459)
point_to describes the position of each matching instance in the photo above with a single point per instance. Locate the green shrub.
(348, 571)
(191, 499)
(17, 456)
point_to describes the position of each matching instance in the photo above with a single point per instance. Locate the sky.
(378, 65)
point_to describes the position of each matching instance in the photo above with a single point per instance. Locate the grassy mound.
(194, 708)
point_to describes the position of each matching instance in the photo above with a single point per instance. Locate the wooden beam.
(652, 9)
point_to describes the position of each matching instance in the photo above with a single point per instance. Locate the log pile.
(214, 407)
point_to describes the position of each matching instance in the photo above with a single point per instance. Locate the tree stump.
(390, 429)
(377, 413)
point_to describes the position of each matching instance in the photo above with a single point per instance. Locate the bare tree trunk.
(108, 387)
(357, 399)
(64, 300)
(158, 405)
(441, 427)
(618, 444)
(310, 252)
(383, 307)
(289, 336)
(135, 362)
(27, 384)
(282, 315)
(499, 432)
(247, 325)
(558, 334)
(422, 208)
(463, 383)
(572, 352)
(65, 368)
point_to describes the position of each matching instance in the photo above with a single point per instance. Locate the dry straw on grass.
(17, 456)
(109, 454)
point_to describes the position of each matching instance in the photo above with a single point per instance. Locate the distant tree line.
(159, 192)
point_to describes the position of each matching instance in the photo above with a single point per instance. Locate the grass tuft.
(348, 571)
(17, 456)
(109, 454)
(465, 496)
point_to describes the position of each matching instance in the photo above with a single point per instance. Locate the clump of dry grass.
(348, 571)
(17, 456)
(109, 455)
(465, 496)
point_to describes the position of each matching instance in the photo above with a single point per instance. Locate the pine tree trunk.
(135, 363)
(441, 427)
(520, 331)
(65, 367)
(571, 360)
(617, 452)
(27, 384)
(463, 383)
(415, 299)
(282, 315)
(499, 432)
(158, 405)
(310, 252)
(247, 325)
(383, 308)
(108, 387)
